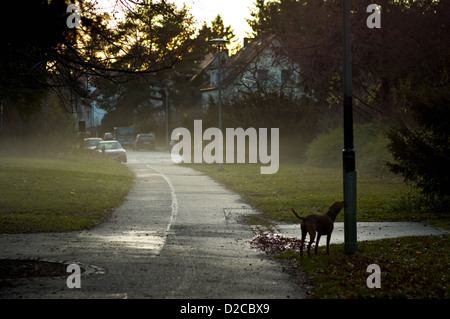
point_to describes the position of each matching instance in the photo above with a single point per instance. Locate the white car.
(112, 149)
(91, 143)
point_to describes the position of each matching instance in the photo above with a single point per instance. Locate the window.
(263, 75)
(214, 78)
(286, 75)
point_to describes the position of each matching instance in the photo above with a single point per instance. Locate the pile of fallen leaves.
(276, 243)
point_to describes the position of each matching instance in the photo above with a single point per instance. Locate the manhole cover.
(17, 268)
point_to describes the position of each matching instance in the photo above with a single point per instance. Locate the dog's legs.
(312, 235)
(328, 244)
(304, 232)
(317, 243)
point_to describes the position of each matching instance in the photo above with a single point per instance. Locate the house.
(261, 65)
(85, 108)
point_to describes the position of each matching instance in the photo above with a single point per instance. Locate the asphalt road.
(179, 235)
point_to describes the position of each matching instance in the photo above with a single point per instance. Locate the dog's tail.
(302, 218)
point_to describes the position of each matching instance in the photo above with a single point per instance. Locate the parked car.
(92, 142)
(108, 136)
(144, 141)
(112, 149)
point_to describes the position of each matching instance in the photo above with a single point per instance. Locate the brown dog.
(322, 224)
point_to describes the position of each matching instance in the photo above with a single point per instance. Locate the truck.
(125, 136)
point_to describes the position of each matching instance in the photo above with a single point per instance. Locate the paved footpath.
(178, 235)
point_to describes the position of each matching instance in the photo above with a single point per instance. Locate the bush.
(296, 118)
(422, 149)
(370, 147)
(326, 149)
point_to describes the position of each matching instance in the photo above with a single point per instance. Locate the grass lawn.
(411, 267)
(52, 195)
(310, 189)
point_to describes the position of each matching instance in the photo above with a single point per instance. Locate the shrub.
(422, 149)
(370, 147)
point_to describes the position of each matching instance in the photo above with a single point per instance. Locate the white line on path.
(174, 205)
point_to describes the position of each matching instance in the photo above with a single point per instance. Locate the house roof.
(205, 63)
(237, 63)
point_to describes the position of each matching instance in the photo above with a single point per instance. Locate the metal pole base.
(350, 232)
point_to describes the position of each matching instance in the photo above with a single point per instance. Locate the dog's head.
(336, 207)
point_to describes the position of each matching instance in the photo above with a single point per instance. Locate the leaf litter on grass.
(412, 267)
(273, 243)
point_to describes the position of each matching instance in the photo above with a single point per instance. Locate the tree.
(411, 34)
(400, 72)
(154, 37)
(420, 146)
(201, 46)
(158, 36)
(419, 139)
(219, 30)
(311, 35)
(40, 53)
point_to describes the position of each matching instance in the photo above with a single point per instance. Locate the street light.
(348, 154)
(219, 42)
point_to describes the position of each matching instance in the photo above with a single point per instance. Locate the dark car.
(144, 141)
(92, 142)
(112, 149)
(108, 136)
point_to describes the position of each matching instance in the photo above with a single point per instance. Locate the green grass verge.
(52, 195)
(310, 189)
(411, 267)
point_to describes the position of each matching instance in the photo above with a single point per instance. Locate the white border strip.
(174, 205)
